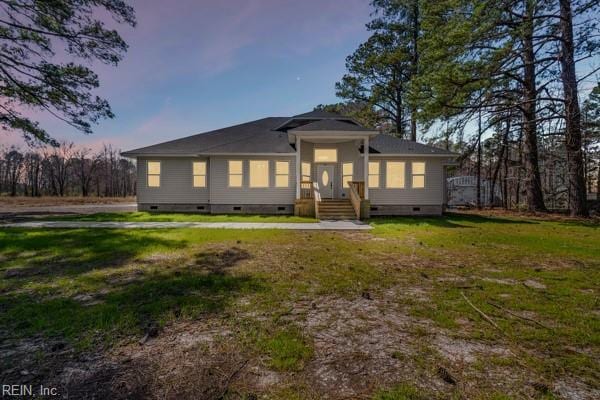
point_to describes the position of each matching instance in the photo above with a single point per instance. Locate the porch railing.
(357, 193)
(317, 197)
(306, 190)
(316, 192)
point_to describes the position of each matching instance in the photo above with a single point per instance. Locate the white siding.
(220, 193)
(432, 194)
(176, 182)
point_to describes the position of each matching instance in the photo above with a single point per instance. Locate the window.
(259, 173)
(282, 173)
(418, 175)
(306, 171)
(199, 173)
(236, 171)
(325, 155)
(153, 173)
(394, 175)
(373, 174)
(347, 173)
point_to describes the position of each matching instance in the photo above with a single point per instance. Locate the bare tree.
(14, 166)
(83, 169)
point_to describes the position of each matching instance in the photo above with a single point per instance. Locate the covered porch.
(331, 174)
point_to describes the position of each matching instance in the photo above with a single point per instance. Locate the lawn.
(461, 306)
(177, 217)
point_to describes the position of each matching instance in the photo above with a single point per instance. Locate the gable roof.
(262, 137)
(331, 125)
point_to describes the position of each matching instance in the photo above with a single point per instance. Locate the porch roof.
(331, 125)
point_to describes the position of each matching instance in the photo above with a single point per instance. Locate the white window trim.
(148, 174)
(286, 175)
(412, 175)
(250, 175)
(378, 175)
(302, 175)
(404, 172)
(205, 175)
(325, 148)
(351, 176)
(229, 175)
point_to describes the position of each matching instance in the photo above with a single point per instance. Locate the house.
(309, 164)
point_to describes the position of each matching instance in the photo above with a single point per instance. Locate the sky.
(197, 65)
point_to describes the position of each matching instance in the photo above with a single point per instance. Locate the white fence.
(462, 191)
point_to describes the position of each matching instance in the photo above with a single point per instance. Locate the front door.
(325, 177)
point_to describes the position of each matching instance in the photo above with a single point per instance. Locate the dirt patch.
(462, 351)
(162, 258)
(500, 281)
(359, 344)
(532, 284)
(191, 360)
(20, 359)
(575, 390)
(218, 261)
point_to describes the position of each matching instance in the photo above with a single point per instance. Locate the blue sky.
(194, 66)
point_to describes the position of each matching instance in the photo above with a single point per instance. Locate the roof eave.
(204, 154)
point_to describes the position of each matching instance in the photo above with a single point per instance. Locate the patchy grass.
(402, 392)
(177, 217)
(314, 314)
(288, 349)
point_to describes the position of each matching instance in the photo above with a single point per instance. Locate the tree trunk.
(533, 184)
(500, 157)
(505, 189)
(577, 192)
(415, 65)
(399, 117)
(479, 162)
(598, 183)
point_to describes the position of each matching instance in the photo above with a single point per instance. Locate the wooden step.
(337, 217)
(336, 209)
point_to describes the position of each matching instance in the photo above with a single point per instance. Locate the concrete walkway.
(318, 226)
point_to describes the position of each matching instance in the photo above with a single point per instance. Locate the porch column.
(366, 166)
(298, 167)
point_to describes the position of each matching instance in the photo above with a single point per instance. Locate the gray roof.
(388, 144)
(261, 136)
(250, 137)
(320, 114)
(331, 125)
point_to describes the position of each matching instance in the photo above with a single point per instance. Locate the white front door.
(325, 178)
